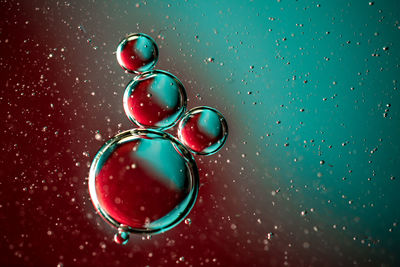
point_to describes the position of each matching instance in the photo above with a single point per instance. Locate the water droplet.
(270, 235)
(203, 130)
(137, 53)
(155, 99)
(152, 197)
(97, 136)
(121, 237)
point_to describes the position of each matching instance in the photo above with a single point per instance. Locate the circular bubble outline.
(130, 88)
(128, 38)
(195, 110)
(148, 134)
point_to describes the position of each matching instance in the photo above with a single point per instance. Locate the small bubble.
(188, 221)
(121, 237)
(203, 130)
(137, 53)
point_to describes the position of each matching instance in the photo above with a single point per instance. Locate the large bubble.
(143, 181)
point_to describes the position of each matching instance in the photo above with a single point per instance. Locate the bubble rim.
(136, 79)
(224, 125)
(180, 148)
(127, 39)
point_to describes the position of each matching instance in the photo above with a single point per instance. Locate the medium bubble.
(203, 130)
(154, 195)
(155, 99)
(137, 53)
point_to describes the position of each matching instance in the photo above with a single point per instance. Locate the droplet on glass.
(203, 130)
(155, 99)
(154, 196)
(137, 53)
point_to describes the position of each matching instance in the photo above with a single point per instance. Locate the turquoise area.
(209, 123)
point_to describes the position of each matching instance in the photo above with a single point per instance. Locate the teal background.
(300, 83)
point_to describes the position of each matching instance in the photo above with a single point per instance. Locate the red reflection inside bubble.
(131, 192)
(194, 137)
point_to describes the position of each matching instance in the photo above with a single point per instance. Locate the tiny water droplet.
(270, 235)
(121, 237)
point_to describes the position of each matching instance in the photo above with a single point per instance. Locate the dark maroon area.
(131, 192)
(194, 137)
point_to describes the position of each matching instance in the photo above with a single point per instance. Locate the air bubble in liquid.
(203, 130)
(121, 237)
(143, 181)
(137, 53)
(155, 99)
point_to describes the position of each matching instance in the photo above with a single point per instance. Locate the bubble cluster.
(144, 180)
(155, 99)
(137, 53)
(203, 130)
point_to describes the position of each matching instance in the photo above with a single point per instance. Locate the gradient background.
(61, 86)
